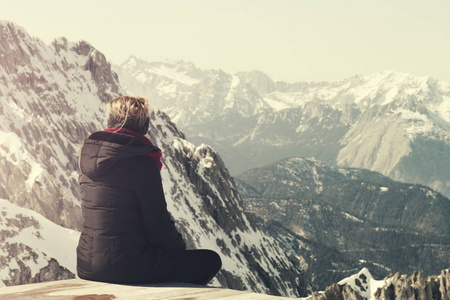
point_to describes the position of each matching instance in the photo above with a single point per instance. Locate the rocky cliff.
(395, 286)
(49, 100)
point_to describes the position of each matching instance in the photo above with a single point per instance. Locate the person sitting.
(128, 235)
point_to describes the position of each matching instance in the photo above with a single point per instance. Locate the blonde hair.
(128, 112)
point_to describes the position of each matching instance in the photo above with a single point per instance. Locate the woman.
(128, 235)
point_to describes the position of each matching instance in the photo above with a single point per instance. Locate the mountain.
(33, 248)
(339, 220)
(389, 122)
(51, 98)
(395, 286)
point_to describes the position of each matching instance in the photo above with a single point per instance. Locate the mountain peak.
(10, 24)
(130, 62)
(395, 286)
(362, 283)
(178, 71)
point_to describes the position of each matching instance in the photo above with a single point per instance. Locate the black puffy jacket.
(123, 207)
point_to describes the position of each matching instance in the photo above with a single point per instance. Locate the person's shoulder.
(118, 138)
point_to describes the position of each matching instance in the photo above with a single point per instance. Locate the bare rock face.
(444, 284)
(336, 292)
(344, 292)
(53, 271)
(404, 287)
(101, 72)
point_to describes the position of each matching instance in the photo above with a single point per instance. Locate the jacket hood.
(104, 149)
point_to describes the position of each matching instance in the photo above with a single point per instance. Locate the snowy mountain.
(393, 123)
(188, 93)
(34, 249)
(338, 220)
(395, 286)
(51, 98)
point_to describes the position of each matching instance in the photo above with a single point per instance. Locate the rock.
(393, 287)
(53, 271)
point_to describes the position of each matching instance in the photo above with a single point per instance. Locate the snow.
(47, 240)
(232, 93)
(167, 70)
(12, 145)
(275, 104)
(36, 171)
(443, 109)
(364, 279)
(350, 217)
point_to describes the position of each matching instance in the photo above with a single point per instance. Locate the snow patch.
(363, 283)
(46, 239)
(353, 218)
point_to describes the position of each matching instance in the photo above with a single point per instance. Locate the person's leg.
(193, 266)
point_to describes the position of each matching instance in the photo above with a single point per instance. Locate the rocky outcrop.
(394, 287)
(336, 292)
(415, 287)
(106, 80)
(53, 271)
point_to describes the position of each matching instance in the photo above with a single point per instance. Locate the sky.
(290, 40)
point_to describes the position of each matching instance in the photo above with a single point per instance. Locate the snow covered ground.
(29, 238)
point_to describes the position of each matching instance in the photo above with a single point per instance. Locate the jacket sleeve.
(159, 226)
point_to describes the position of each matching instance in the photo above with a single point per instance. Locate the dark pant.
(191, 266)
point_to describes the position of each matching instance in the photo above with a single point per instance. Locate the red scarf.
(155, 155)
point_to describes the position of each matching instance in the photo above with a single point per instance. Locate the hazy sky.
(293, 40)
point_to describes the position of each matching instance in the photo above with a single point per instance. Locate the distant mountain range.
(390, 122)
(51, 98)
(337, 221)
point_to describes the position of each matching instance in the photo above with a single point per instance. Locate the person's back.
(114, 230)
(128, 235)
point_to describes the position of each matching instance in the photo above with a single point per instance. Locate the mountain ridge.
(336, 220)
(385, 122)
